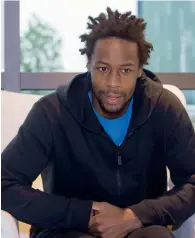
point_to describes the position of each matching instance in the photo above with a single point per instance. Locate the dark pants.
(147, 232)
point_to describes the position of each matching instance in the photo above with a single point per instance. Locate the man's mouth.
(112, 99)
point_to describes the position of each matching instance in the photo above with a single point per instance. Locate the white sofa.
(14, 109)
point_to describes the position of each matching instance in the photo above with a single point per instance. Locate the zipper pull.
(119, 160)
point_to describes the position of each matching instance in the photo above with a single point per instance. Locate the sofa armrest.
(9, 226)
(187, 229)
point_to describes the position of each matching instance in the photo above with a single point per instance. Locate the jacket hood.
(74, 96)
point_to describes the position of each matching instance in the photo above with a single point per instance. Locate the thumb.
(98, 206)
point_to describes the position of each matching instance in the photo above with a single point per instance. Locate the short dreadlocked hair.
(114, 24)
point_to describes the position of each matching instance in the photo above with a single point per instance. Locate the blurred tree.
(40, 48)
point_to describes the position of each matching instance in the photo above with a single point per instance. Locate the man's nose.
(113, 80)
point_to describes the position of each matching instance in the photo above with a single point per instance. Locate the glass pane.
(2, 36)
(50, 31)
(171, 30)
(190, 96)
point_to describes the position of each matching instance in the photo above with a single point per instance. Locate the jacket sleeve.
(178, 204)
(22, 161)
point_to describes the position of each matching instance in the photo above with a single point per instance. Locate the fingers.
(97, 224)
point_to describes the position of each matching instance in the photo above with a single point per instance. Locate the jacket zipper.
(118, 175)
(119, 164)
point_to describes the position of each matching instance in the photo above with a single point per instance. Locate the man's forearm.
(173, 208)
(44, 210)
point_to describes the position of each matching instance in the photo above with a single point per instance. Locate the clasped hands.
(108, 221)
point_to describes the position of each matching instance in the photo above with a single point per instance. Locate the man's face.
(114, 68)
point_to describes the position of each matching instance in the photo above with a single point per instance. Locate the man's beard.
(109, 108)
(112, 109)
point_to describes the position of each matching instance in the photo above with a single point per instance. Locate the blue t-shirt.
(115, 128)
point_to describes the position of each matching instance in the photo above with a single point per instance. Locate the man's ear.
(140, 72)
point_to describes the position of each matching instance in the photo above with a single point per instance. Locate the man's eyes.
(103, 69)
(126, 71)
(106, 69)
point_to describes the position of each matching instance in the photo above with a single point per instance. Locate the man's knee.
(152, 232)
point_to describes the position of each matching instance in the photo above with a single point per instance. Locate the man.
(102, 143)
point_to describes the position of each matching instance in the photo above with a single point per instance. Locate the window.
(171, 30)
(50, 39)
